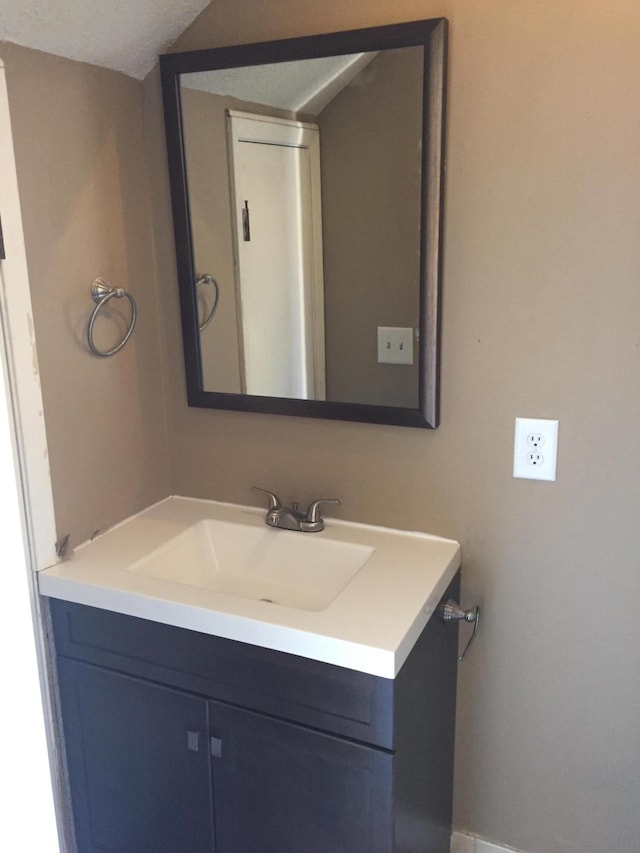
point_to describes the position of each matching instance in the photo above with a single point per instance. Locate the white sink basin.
(354, 595)
(299, 570)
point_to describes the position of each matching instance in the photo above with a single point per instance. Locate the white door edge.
(289, 132)
(21, 359)
(30, 767)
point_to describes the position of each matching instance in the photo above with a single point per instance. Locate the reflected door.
(279, 288)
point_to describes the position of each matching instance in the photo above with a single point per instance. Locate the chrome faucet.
(292, 518)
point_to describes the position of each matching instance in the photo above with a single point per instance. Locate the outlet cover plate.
(535, 449)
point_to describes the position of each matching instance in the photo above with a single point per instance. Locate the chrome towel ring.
(205, 278)
(101, 293)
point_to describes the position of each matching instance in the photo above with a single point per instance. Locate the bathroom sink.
(354, 595)
(298, 570)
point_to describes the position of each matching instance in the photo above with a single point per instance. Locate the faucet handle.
(313, 521)
(313, 513)
(274, 500)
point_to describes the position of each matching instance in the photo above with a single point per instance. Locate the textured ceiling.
(308, 85)
(125, 35)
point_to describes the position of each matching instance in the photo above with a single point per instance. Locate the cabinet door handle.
(193, 741)
(216, 747)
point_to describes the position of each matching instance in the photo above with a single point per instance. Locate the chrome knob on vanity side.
(292, 518)
(452, 612)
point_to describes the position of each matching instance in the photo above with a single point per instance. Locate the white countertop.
(371, 626)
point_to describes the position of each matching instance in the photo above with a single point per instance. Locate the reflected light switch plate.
(395, 345)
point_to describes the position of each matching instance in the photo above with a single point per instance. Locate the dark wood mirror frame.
(432, 35)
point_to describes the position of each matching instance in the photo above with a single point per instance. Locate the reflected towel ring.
(205, 278)
(101, 293)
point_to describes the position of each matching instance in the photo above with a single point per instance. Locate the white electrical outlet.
(535, 449)
(395, 345)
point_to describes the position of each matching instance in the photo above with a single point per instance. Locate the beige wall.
(83, 190)
(370, 138)
(540, 318)
(205, 136)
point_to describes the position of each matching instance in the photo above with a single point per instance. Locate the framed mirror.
(307, 190)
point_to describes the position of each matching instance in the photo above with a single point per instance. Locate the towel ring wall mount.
(102, 293)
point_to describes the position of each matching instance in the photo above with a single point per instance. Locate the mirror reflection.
(304, 186)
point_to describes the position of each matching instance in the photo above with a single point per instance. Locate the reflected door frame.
(246, 130)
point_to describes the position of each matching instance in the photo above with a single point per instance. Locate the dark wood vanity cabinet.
(180, 742)
(137, 761)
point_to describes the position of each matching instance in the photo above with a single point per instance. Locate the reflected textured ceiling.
(307, 85)
(125, 35)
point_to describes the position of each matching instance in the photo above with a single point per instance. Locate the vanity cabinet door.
(282, 788)
(138, 762)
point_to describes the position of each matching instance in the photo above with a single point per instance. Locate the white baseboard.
(463, 843)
